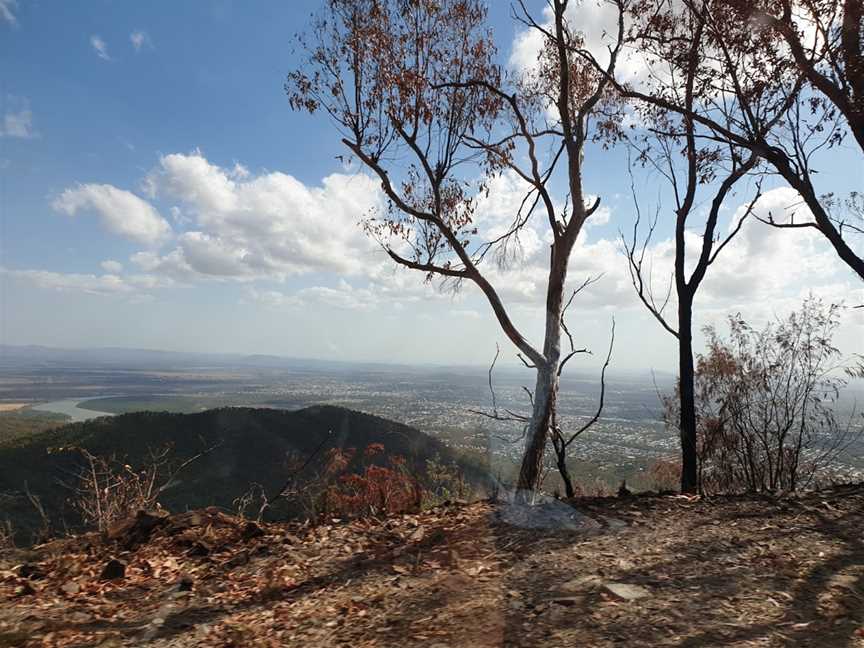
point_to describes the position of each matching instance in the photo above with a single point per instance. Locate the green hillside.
(245, 446)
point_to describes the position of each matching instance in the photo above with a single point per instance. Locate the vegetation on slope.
(238, 448)
(23, 423)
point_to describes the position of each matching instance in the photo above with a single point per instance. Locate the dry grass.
(12, 407)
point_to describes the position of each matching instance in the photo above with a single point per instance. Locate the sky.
(156, 191)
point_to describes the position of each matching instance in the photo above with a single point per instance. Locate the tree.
(414, 90)
(766, 403)
(666, 143)
(786, 81)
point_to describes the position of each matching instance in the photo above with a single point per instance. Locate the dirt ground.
(727, 572)
(12, 407)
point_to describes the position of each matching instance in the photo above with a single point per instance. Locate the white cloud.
(273, 298)
(110, 283)
(112, 267)
(342, 296)
(763, 264)
(597, 21)
(18, 119)
(7, 11)
(120, 212)
(172, 265)
(89, 283)
(139, 38)
(100, 47)
(267, 225)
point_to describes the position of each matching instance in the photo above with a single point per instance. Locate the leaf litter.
(671, 572)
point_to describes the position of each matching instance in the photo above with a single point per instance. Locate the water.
(70, 408)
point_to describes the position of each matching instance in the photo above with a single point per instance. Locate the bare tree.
(414, 90)
(696, 169)
(107, 490)
(784, 79)
(563, 439)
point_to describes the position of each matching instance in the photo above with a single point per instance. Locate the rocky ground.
(637, 571)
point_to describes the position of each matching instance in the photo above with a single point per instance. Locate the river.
(69, 407)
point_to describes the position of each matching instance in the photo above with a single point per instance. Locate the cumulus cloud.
(265, 225)
(112, 267)
(105, 284)
(597, 21)
(100, 47)
(237, 225)
(763, 269)
(342, 296)
(139, 39)
(763, 263)
(18, 119)
(120, 212)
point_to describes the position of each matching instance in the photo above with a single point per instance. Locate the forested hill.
(240, 446)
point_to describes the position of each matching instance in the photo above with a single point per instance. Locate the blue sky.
(158, 192)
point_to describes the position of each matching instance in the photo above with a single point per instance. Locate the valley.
(441, 401)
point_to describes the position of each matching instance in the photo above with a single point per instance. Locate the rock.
(626, 592)
(581, 584)
(136, 530)
(113, 570)
(252, 530)
(70, 587)
(187, 520)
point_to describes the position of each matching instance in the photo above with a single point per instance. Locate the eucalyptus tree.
(417, 95)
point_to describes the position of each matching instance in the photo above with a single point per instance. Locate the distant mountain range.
(126, 358)
(30, 356)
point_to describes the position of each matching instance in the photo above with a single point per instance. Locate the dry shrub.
(665, 474)
(445, 481)
(376, 490)
(766, 404)
(597, 487)
(7, 536)
(108, 490)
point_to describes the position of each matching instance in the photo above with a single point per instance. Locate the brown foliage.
(377, 490)
(765, 404)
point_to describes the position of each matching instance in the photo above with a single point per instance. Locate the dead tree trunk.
(687, 400)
